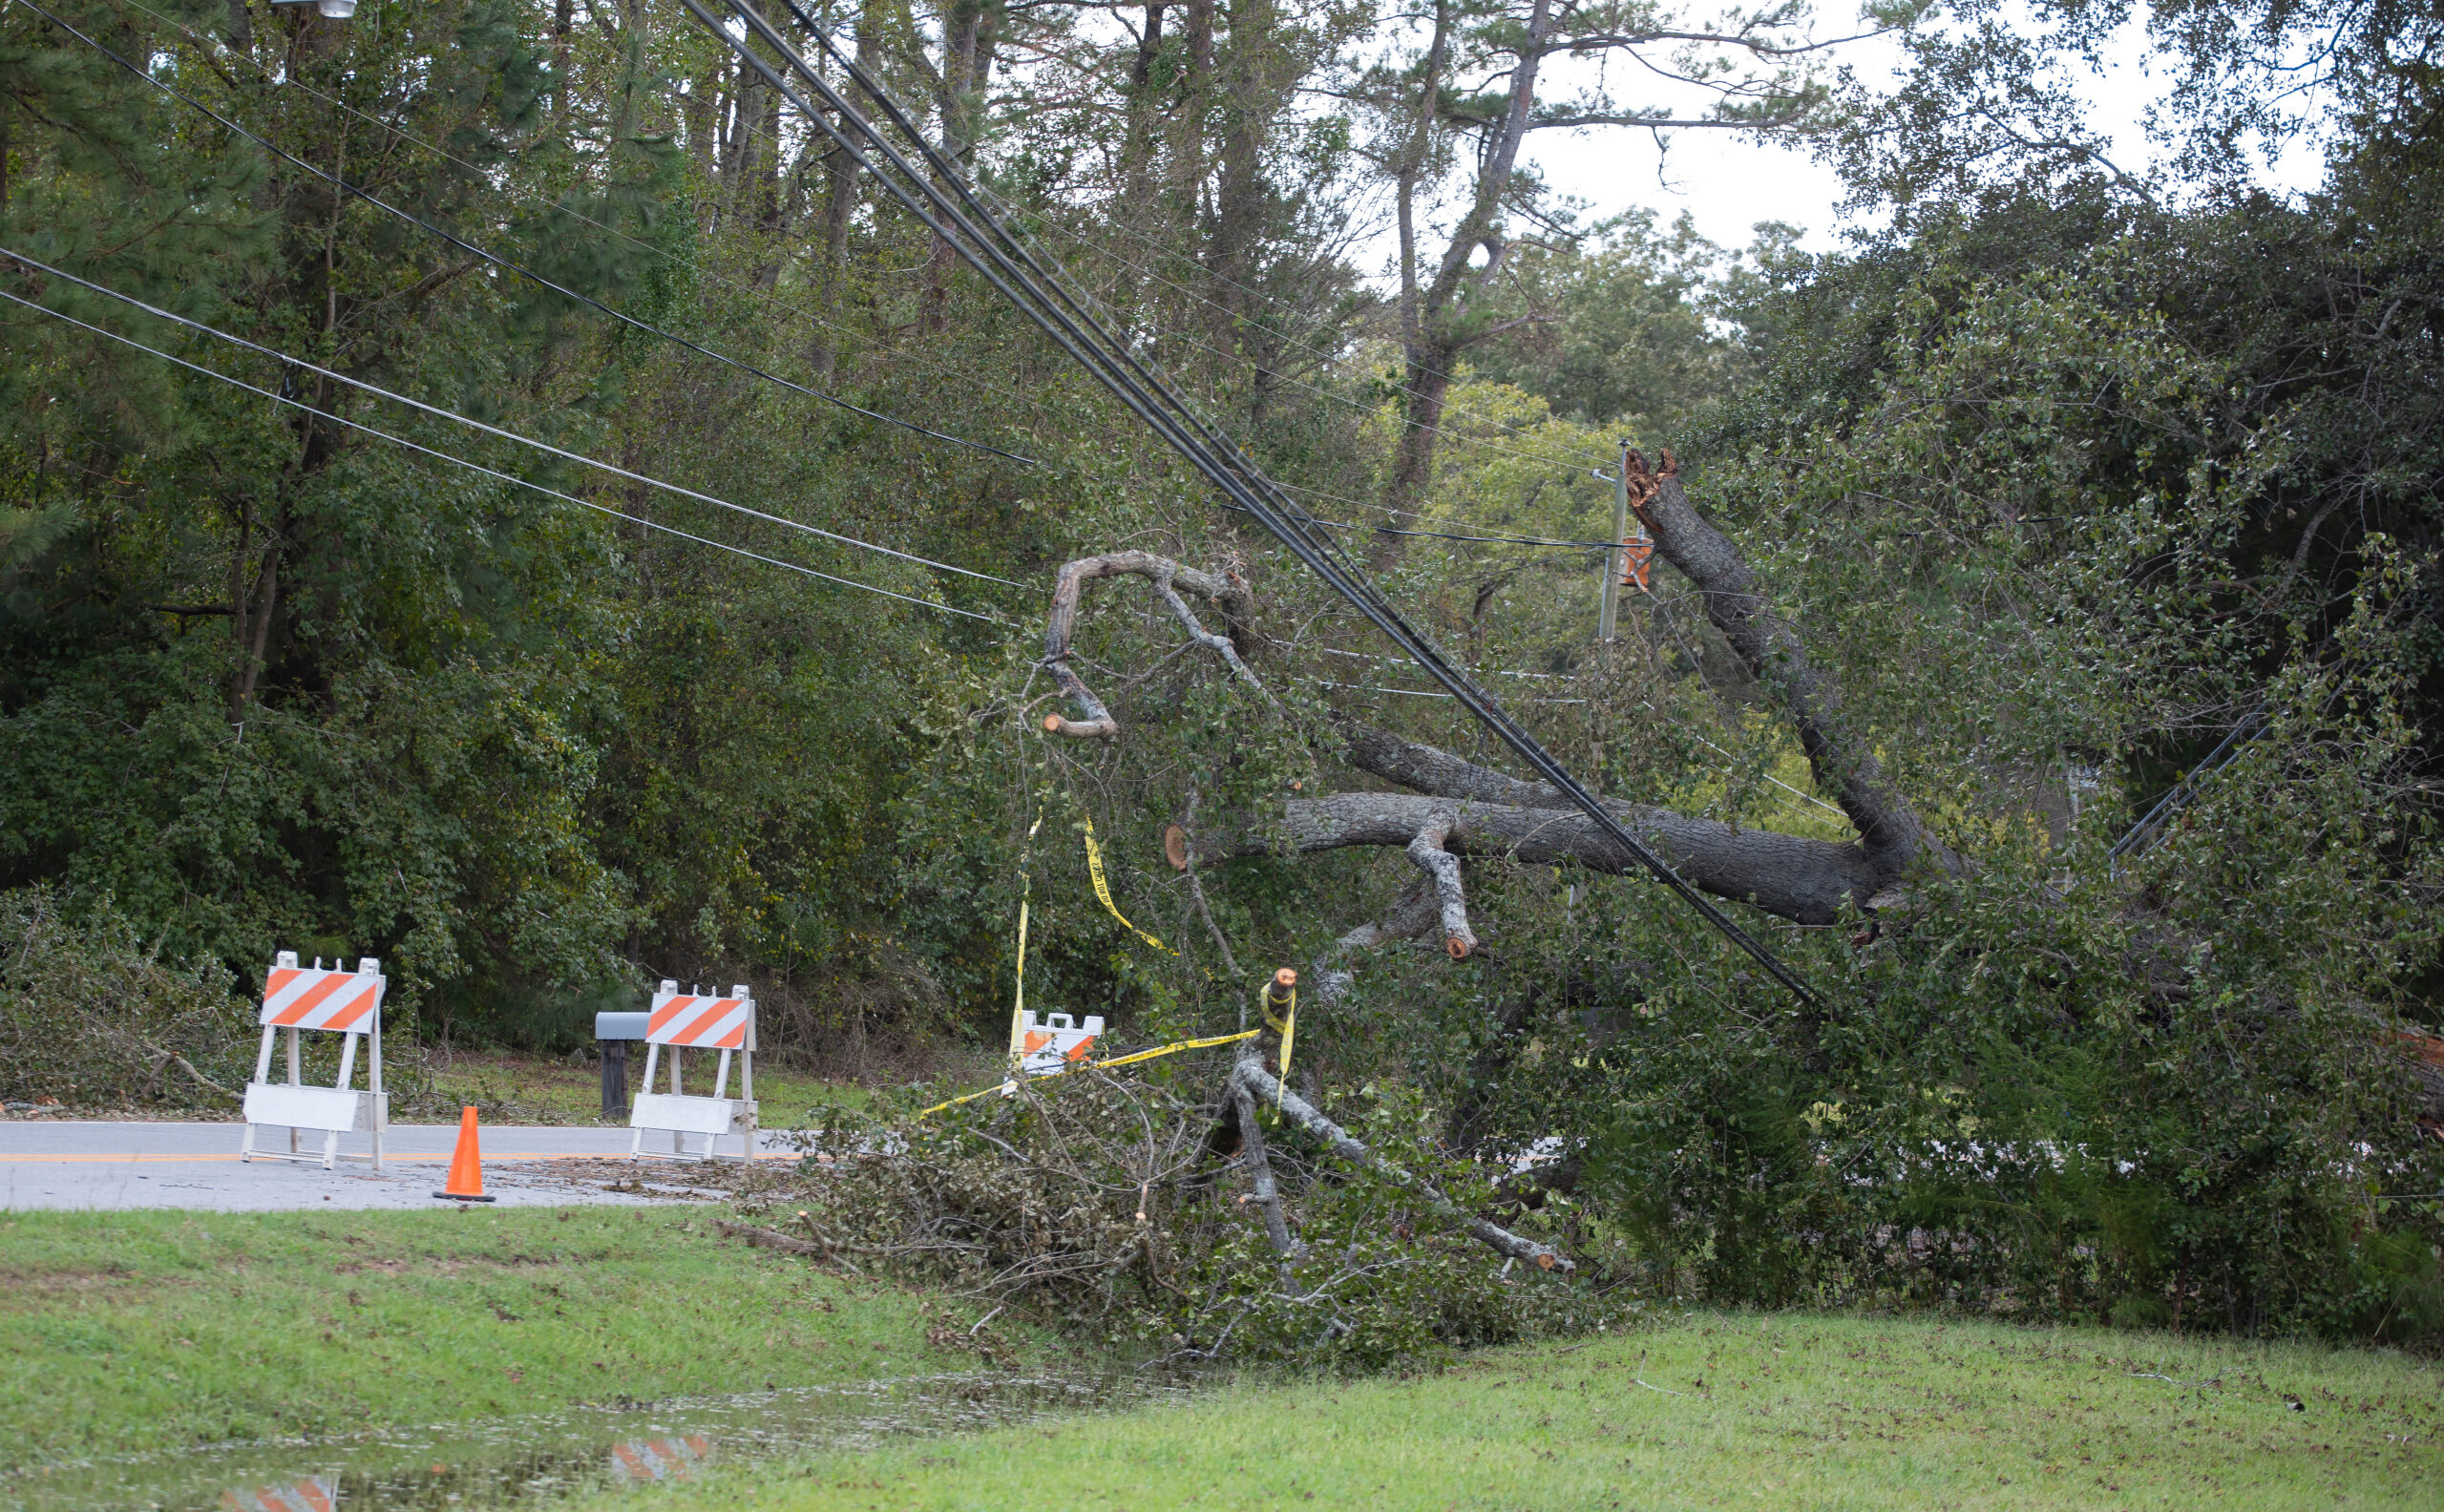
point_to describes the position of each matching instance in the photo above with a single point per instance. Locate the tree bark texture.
(1250, 1078)
(1800, 880)
(1225, 590)
(1890, 831)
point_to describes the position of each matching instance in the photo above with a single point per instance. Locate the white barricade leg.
(380, 1102)
(636, 1132)
(747, 1090)
(263, 1073)
(678, 1136)
(296, 1078)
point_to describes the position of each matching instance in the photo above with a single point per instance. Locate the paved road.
(57, 1164)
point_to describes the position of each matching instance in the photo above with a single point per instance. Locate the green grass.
(515, 1088)
(124, 1331)
(1793, 1412)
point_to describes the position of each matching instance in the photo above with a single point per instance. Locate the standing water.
(538, 1460)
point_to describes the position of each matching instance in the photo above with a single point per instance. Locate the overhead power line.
(562, 452)
(1457, 437)
(1317, 352)
(939, 195)
(717, 276)
(490, 473)
(508, 266)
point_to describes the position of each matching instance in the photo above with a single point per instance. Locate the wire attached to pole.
(1014, 273)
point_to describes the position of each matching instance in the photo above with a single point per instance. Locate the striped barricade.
(1057, 1044)
(698, 1020)
(664, 1457)
(347, 1003)
(314, 1494)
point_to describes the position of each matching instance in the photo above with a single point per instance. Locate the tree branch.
(1800, 880)
(1227, 590)
(1254, 1078)
(1845, 766)
(1427, 851)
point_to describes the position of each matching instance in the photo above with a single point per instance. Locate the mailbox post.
(615, 1032)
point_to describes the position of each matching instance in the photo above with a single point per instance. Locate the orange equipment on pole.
(1638, 554)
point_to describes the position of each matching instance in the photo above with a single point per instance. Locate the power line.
(1317, 352)
(393, 130)
(2141, 834)
(562, 452)
(1515, 541)
(491, 472)
(758, 134)
(521, 270)
(1016, 274)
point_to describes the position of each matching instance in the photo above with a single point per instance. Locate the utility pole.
(1613, 564)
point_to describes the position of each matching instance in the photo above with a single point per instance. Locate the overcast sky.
(1728, 181)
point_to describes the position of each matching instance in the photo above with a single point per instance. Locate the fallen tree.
(1464, 810)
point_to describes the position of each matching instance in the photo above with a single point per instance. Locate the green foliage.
(91, 1014)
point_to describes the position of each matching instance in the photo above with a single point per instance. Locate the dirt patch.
(52, 1283)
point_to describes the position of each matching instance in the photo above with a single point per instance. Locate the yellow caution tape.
(1287, 1025)
(1132, 1059)
(1103, 890)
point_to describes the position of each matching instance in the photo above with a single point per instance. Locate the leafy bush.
(90, 1015)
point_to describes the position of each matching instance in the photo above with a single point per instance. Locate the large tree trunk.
(1456, 808)
(1800, 879)
(1844, 764)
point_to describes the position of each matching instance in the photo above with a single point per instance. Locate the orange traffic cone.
(466, 1181)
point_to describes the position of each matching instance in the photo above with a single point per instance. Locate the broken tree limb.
(1775, 656)
(1801, 879)
(1252, 1079)
(1427, 851)
(1226, 591)
(1268, 1193)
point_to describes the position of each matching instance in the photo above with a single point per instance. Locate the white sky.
(1728, 181)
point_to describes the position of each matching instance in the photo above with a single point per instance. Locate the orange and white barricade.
(332, 1001)
(1057, 1044)
(696, 1021)
(314, 1494)
(664, 1457)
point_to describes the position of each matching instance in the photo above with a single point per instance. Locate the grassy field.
(123, 1332)
(512, 1088)
(1830, 1413)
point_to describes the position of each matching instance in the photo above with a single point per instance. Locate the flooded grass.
(129, 1333)
(1840, 1414)
(578, 1454)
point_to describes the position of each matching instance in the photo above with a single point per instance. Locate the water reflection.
(665, 1458)
(534, 1461)
(314, 1494)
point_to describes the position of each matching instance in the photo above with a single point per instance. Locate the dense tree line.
(2067, 476)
